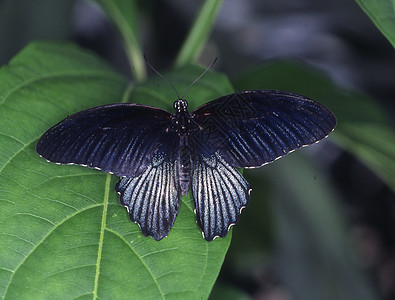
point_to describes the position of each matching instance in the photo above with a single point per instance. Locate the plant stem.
(198, 35)
(125, 21)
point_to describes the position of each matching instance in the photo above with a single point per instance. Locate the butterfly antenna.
(201, 75)
(161, 76)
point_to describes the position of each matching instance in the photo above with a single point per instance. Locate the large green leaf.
(363, 128)
(382, 13)
(64, 234)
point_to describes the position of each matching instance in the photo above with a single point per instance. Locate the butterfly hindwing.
(153, 197)
(116, 138)
(252, 128)
(219, 192)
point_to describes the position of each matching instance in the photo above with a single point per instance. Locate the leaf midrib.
(101, 239)
(125, 97)
(103, 74)
(206, 244)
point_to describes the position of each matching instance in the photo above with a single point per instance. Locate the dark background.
(333, 36)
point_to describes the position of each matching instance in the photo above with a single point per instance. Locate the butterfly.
(160, 156)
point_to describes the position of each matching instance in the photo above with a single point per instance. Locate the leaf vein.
(142, 261)
(103, 226)
(41, 241)
(103, 74)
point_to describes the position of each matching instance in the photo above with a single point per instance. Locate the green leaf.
(63, 232)
(382, 13)
(123, 14)
(363, 128)
(199, 33)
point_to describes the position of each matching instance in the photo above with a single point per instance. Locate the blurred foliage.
(24, 20)
(313, 258)
(124, 15)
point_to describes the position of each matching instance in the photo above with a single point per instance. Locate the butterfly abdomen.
(182, 124)
(184, 165)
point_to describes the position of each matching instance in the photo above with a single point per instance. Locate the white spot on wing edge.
(278, 157)
(81, 165)
(136, 222)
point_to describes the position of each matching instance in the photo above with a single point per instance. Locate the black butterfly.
(161, 155)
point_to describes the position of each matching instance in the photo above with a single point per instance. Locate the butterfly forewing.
(116, 138)
(252, 128)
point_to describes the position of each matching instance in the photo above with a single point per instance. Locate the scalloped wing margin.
(219, 192)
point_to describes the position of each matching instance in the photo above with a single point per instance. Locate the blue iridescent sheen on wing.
(219, 192)
(153, 197)
(252, 128)
(116, 138)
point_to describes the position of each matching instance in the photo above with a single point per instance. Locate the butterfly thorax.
(182, 124)
(182, 119)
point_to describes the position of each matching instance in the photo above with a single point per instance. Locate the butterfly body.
(184, 165)
(182, 124)
(161, 156)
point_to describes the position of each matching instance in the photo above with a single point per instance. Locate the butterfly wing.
(246, 129)
(153, 197)
(219, 192)
(116, 138)
(252, 128)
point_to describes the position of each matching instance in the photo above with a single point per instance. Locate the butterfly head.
(180, 105)
(182, 119)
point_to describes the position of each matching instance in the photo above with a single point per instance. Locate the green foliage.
(382, 13)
